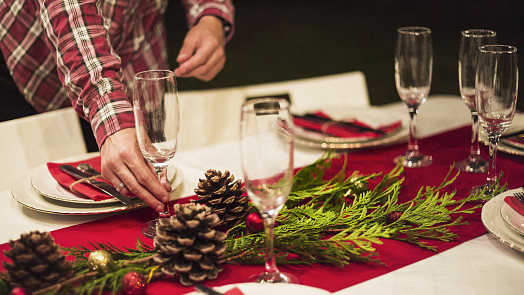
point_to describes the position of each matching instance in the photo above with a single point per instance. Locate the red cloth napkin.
(514, 203)
(234, 291)
(340, 130)
(85, 189)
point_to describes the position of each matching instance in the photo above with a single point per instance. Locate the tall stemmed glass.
(267, 164)
(413, 68)
(470, 42)
(155, 105)
(496, 87)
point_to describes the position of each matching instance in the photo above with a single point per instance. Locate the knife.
(207, 290)
(101, 186)
(349, 124)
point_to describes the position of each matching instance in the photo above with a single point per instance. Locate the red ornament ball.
(392, 216)
(133, 283)
(254, 223)
(19, 291)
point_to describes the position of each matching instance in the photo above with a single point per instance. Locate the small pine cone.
(224, 196)
(37, 262)
(187, 245)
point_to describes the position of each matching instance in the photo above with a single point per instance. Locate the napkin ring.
(325, 126)
(87, 179)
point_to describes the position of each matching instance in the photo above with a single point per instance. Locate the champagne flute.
(413, 67)
(155, 105)
(470, 42)
(496, 87)
(267, 163)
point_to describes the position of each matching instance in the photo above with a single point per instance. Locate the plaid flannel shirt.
(84, 53)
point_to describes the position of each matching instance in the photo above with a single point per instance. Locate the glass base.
(478, 188)
(279, 277)
(414, 160)
(149, 229)
(475, 164)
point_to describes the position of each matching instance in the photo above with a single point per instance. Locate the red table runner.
(446, 148)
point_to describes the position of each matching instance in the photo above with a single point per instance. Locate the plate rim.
(224, 288)
(504, 208)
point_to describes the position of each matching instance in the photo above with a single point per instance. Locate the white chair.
(213, 116)
(34, 140)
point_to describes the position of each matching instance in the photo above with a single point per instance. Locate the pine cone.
(187, 245)
(37, 262)
(224, 196)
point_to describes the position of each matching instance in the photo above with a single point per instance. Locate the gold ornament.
(100, 260)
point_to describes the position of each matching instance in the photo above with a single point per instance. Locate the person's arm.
(91, 73)
(203, 52)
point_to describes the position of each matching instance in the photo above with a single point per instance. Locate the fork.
(520, 196)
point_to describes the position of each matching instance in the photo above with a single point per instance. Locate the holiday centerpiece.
(327, 219)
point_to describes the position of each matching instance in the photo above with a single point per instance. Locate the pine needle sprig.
(338, 220)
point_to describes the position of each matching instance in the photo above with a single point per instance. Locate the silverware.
(520, 197)
(101, 186)
(86, 168)
(321, 119)
(517, 133)
(207, 290)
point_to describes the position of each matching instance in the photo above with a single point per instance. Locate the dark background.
(277, 40)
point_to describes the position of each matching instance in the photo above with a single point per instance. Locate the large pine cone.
(224, 196)
(187, 245)
(37, 262)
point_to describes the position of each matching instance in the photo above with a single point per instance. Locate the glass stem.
(165, 213)
(269, 226)
(492, 169)
(475, 146)
(412, 144)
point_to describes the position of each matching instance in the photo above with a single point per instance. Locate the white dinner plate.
(374, 117)
(44, 183)
(495, 224)
(23, 192)
(512, 218)
(270, 289)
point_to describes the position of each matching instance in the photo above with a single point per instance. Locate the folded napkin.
(514, 203)
(340, 130)
(517, 140)
(84, 189)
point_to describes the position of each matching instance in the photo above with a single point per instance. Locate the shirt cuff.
(110, 116)
(224, 11)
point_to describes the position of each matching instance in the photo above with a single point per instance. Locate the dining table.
(477, 262)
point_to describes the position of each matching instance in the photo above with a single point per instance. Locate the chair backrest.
(34, 140)
(213, 116)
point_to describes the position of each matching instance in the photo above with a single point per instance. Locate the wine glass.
(413, 67)
(267, 163)
(155, 105)
(470, 42)
(496, 87)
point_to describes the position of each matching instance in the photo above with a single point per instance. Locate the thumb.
(187, 50)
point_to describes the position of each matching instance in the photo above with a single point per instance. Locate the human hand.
(122, 162)
(203, 52)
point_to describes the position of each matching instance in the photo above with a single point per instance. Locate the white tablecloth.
(479, 266)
